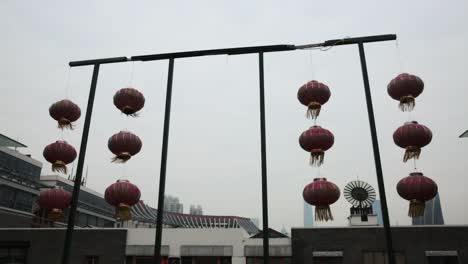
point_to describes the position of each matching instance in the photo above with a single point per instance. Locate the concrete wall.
(46, 244)
(204, 242)
(14, 218)
(411, 241)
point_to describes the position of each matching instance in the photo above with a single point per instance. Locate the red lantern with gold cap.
(122, 195)
(321, 194)
(59, 153)
(124, 145)
(129, 101)
(405, 88)
(313, 94)
(54, 200)
(417, 189)
(412, 137)
(316, 140)
(65, 112)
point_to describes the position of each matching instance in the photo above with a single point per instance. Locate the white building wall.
(175, 238)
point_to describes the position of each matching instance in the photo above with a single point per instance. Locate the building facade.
(366, 245)
(377, 209)
(172, 204)
(196, 210)
(19, 179)
(308, 215)
(432, 214)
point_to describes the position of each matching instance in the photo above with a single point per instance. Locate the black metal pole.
(79, 169)
(162, 174)
(266, 231)
(378, 164)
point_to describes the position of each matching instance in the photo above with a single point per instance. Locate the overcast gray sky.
(214, 153)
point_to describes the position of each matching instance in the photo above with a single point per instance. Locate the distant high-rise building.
(172, 204)
(377, 209)
(196, 210)
(432, 214)
(308, 215)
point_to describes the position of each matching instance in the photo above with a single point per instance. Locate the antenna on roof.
(83, 182)
(70, 177)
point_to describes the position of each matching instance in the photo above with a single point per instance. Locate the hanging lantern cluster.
(124, 145)
(313, 94)
(417, 189)
(60, 153)
(316, 140)
(129, 101)
(412, 136)
(122, 195)
(65, 112)
(54, 200)
(321, 193)
(405, 88)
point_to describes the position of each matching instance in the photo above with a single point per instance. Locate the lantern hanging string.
(398, 55)
(414, 164)
(132, 70)
(67, 83)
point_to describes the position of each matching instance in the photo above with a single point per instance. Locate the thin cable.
(132, 72)
(398, 55)
(414, 164)
(67, 83)
(312, 68)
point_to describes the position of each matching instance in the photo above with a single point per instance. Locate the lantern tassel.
(416, 208)
(59, 166)
(123, 213)
(129, 111)
(316, 157)
(313, 110)
(55, 214)
(323, 213)
(407, 103)
(411, 153)
(64, 123)
(121, 157)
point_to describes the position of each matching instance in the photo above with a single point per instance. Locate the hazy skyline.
(214, 148)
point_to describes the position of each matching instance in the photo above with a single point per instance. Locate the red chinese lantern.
(65, 112)
(321, 193)
(412, 137)
(316, 140)
(124, 145)
(313, 94)
(59, 153)
(417, 189)
(405, 88)
(122, 195)
(54, 200)
(129, 101)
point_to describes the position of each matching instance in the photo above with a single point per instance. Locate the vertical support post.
(266, 232)
(162, 174)
(79, 169)
(378, 164)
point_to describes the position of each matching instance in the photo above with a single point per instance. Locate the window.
(92, 260)
(13, 254)
(442, 257)
(327, 257)
(380, 257)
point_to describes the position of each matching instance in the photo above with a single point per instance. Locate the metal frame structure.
(260, 50)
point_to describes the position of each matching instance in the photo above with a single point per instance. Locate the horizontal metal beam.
(235, 51)
(349, 41)
(199, 53)
(98, 61)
